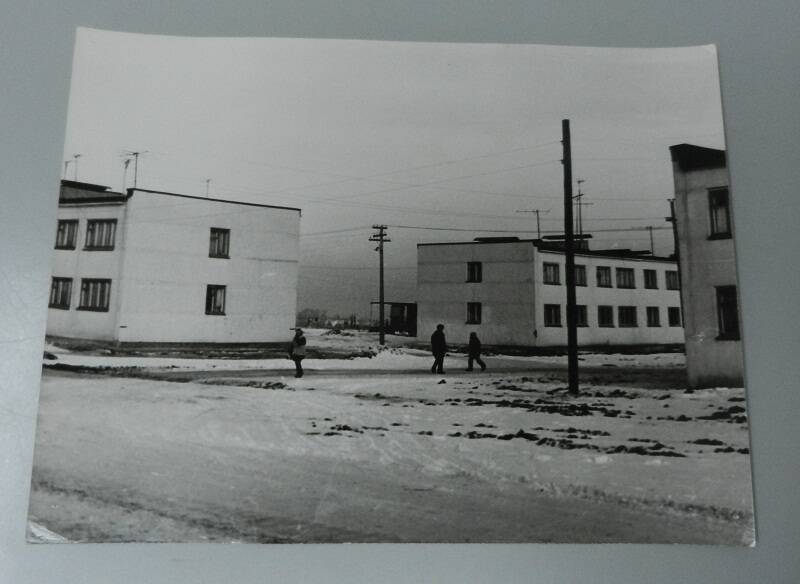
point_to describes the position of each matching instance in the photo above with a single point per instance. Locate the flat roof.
(132, 190)
(690, 157)
(544, 247)
(82, 192)
(73, 191)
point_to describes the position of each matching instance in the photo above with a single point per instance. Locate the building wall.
(512, 296)
(506, 292)
(80, 263)
(166, 269)
(592, 296)
(705, 264)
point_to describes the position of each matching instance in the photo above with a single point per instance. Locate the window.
(218, 245)
(60, 292)
(605, 316)
(580, 275)
(100, 234)
(653, 316)
(580, 315)
(719, 214)
(672, 280)
(674, 316)
(625, 278)
(626, 316)
(552, 315)
(603, 277)
(474, 272)
(727, 313)
(215, 299)
(551, 274)
(651, 279)
(66, 233)
(473, 312)
(95, 294)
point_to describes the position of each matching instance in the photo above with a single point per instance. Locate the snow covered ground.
(398, 355)
(371, 455)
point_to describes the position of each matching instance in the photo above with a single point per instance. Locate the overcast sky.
(453, 138)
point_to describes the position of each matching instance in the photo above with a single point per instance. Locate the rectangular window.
(218, 244)
(605, 316)
(580, 315)
(551, 273)
(100, 234)
(95, 293)
(580, 275)
(653, 316)
(60, 293)
(625, 278)
(603, 277)
(215, 299)
(474, 272)
(626, 316)
(674, 316)
(672, 280)
(552, 315)
(719, 213)
(473, 312)
(727, 313)
(66, 234)
(651, 279)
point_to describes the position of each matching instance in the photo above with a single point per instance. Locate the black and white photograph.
(351, 291)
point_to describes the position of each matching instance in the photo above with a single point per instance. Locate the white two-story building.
(149, 266)
(513, 292)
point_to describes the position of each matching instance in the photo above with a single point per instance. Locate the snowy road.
(365, 458)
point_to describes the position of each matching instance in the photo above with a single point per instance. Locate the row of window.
(625, 276)
(627, 316)
(96, 293)
(100, 235)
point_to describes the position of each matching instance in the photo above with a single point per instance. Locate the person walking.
(297, 350)
(438, 348)
(474, 352)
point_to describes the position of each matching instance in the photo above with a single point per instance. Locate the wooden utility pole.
(381, 238)
(569, 250)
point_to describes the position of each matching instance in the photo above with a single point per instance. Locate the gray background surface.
(758, 47)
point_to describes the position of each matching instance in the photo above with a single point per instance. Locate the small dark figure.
(438, 348)
(474, 352)
(297, 350)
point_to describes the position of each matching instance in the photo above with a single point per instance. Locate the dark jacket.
(474, 348)
(438, 343)
(297, 348)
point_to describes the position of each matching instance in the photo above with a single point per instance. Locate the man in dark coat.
(474, 352)
(297, 351)
(438, 348)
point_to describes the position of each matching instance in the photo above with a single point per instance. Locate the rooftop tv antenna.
(135, 154)
(74, 162)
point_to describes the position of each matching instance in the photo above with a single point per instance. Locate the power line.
(550, 231)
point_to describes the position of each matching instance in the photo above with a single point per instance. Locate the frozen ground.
(387, 455)
(400, 355)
